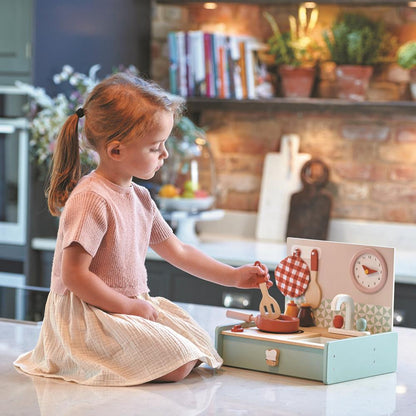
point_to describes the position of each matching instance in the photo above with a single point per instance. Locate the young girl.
(101, 327)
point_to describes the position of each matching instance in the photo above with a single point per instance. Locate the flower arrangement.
(48, 114)
(295, 47)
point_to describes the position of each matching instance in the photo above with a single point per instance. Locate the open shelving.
(396, 3)
(197, 104)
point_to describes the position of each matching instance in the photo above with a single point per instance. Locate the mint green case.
(339, 360)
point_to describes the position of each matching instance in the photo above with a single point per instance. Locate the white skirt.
(81, 343)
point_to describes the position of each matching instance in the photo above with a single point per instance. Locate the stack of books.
(213, 65)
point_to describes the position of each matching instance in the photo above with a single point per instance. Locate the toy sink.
(316, 352)
(318, 340)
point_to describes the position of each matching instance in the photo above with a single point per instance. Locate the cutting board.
(281, 178)
(310, 208)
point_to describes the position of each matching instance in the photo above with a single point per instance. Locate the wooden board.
(310, 208)
(281, 178)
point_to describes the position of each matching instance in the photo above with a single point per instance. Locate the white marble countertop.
(228, 391)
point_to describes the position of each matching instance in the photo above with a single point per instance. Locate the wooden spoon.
(313, 292)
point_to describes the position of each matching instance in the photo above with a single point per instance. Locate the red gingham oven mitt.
(292, 275)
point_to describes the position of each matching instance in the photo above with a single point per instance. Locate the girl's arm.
(91, 289)
(193, 261)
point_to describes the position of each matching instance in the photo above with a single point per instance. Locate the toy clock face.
(369, 271)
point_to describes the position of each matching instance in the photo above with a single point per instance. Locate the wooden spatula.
(313, 292)
(269, 307)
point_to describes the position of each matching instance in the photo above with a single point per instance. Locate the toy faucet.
(349, 316)
(349, 308)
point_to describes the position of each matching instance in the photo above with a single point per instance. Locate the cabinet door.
(15, 36)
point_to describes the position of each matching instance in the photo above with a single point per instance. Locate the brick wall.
(372, 157)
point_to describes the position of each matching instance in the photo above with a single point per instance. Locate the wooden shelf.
(397, 3)
(332, 105)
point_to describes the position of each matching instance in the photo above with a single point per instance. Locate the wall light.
(312, 4)
(411, 3)
(210, 5)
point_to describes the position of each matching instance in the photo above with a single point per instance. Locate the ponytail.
(66, 167)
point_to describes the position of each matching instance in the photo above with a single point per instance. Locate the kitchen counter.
(228, 391)
(232, 240)
(239, 251)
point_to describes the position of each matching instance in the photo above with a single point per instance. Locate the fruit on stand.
(169, 191)
(200, 193)
(190, 191)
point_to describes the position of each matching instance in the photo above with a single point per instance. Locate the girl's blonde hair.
(119, 108)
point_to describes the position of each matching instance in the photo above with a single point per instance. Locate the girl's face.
(144, 156)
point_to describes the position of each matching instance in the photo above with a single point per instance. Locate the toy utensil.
(268, 306)
(285, 324)
(313, 292)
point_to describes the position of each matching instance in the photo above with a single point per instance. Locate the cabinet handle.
(28, 50)
(272, 357)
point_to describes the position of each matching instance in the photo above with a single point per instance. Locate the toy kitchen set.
(337, 323)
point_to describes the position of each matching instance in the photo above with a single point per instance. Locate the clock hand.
(367, 270)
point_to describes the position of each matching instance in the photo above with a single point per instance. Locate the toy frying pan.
(285, 324)
(292, 275)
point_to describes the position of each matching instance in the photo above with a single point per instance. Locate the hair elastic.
(80, 112)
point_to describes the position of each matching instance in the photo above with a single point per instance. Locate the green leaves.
(406, 55)
(295, 47)
(354, 39)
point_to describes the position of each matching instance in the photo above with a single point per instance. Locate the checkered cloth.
(292, 276)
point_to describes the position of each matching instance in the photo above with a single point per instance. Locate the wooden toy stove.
(354, 283)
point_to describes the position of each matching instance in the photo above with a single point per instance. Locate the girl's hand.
(140, 307)
(250, 276)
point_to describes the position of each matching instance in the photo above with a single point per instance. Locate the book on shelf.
(182, 66)
(208, 64)
(173, 63)
(196, 58)
(213, 65)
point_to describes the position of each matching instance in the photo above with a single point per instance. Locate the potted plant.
(406, 58)
(295, 52)
(355, 44)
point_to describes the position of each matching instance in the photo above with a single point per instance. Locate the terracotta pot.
(297, 82)
(353, 81)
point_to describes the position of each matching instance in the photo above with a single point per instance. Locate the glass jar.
(188, 176)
